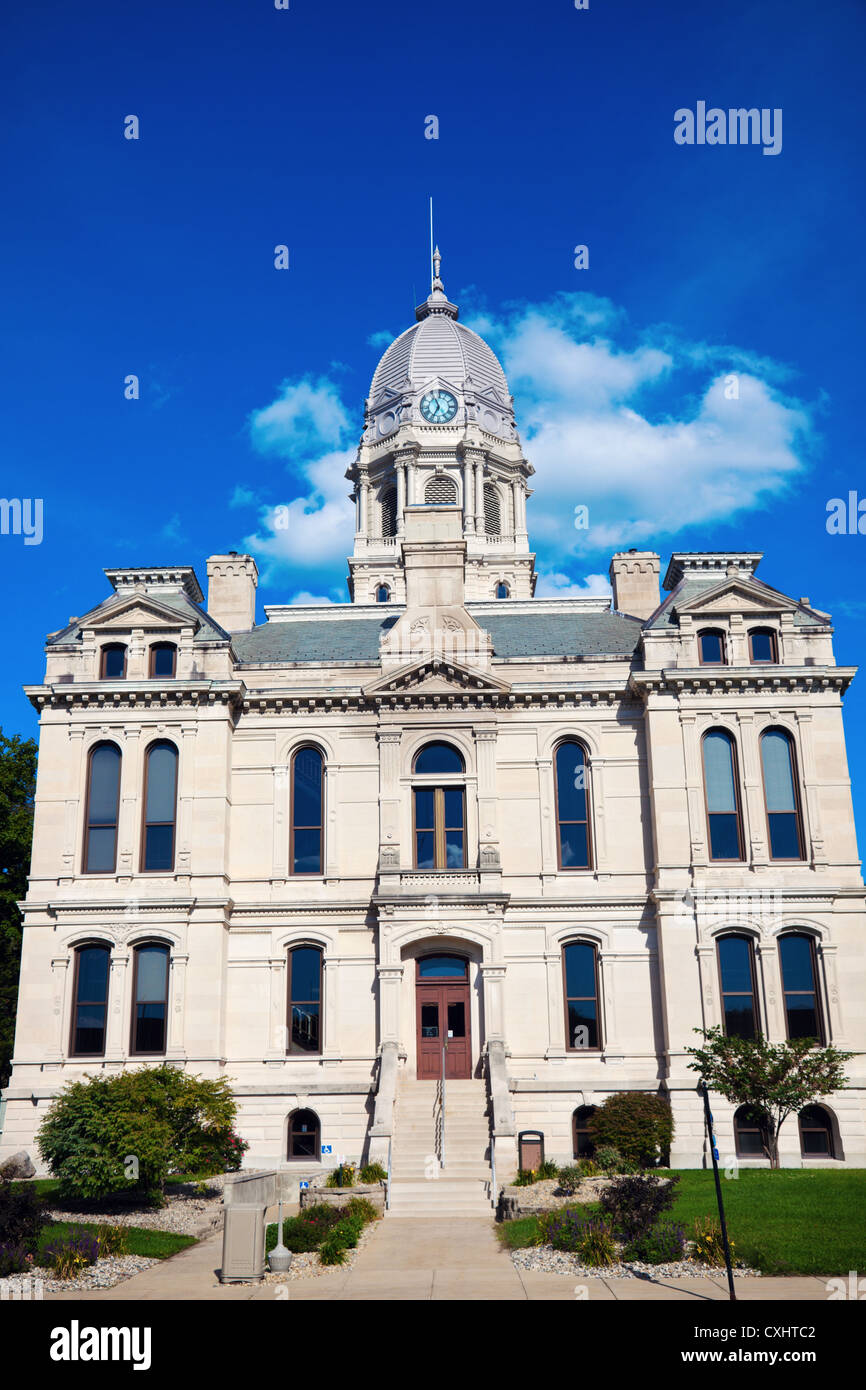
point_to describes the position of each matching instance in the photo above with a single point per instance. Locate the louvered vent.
(389, 512)
(442, 490)
(492, 514)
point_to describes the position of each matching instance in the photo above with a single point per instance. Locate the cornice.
(750, 680)
(134, 695)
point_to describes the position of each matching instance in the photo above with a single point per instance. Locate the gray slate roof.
(514, 635)
(691, 588)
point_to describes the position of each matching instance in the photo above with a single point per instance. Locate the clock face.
(438, 407)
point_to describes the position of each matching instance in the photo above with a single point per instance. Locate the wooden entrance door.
(442, 1017)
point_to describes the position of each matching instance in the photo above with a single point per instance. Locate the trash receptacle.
(530, 1149)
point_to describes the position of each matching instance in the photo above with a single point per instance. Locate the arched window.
(442, 490)
(571, 776)
(763, 646)
(112, 666)
(439, 811)
(150, 998)
(711, 647)
(100, 817)
(305, 1140)
(502, 590)
(163, 660)
(722, 795)
(737, 975)
(389, 512)
(305, 1000)
(583, 1144)
(751, 1132)
(90, 1000)
(580, 979)
(492, 510)
(160, 808)
(799, 986)
(307, 820)
(816, 1133)
(784, 825)
(383, 593)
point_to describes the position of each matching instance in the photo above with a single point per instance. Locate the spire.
(437, 301)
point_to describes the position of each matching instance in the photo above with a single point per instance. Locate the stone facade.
(503, 681)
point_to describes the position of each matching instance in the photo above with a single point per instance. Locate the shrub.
(14, 1259)
(348, 1231)
(637, 1123)
(332, 1251)
(664, 1244)
(111, 1240)
(587, 1167)
(361, 1207)
(547, 1169)
(162, 1119)
(570, 1178)
(22, 1216)
(68, 1256)
(595, 1244)
(525, 1178)
(591, 1240)
(634, 1204)
(307, 1231)
(609, 1161)
(372, 1172)
(344, 1176)
(709, 1248)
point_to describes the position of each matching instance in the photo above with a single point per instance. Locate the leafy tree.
(778, 1079)
(638, 1124)
(17, 788)
(107, 1134)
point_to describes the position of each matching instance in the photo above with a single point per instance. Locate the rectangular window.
(150, 987)
(305, 999)
(90, 996)
(440, 835)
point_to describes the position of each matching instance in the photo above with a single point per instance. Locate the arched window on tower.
(721, 785)
(389, 512)
(383, 593)
(441, 490)
(571, 777)
(492, 510)
(305, 850)
(784, 822)
(103, 800)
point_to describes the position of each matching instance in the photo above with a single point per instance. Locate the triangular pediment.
(437, 675)
(138, 611)
(735, 595)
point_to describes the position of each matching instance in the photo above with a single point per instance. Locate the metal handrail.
(442, 1146)
(388, 1181)
(494, 1194)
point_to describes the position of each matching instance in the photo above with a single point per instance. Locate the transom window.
(779, 768)
(737, 973)
(763, 646)
(306, 838)
(160, 807)
(150, 992)
(305, 1000)
(442, 967)
(816, 1132)
(103, 799)
(799, 977)
(112, 665)
(722, 794)
(90, 1001)
(580, 970)
(571, 776)
(711, 647)
(163, 659)
(435, 759)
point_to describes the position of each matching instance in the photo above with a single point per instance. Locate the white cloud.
(554, 584)
(307, 416)
(242, 497)
(303, 598)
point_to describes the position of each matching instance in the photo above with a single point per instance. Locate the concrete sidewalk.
(448, 1260)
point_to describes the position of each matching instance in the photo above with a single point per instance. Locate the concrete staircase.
(419, 1187)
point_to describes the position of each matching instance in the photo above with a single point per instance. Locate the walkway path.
(430, 1260)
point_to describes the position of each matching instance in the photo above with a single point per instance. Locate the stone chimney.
(231, 591)
(634, 575)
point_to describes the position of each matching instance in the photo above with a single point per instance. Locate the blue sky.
(305, 127)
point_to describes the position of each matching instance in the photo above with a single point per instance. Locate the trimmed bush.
(569, 1178)
(114, 1133)
(67, 1257)
(372, 1172)
(664, 1244)
(634, 1204)
(22, 1216)
(637, 1123)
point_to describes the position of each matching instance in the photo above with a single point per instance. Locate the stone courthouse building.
(535, 841)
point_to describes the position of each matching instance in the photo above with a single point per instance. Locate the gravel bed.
(308, 1265)
(103, 1275)
(186, 1214)
(550, 1261)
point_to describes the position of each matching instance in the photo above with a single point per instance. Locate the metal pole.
(715, 1153)
(442, 1158)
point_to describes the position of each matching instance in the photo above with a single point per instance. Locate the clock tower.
(439, 431)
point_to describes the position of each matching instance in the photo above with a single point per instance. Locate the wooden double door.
(442, 1018)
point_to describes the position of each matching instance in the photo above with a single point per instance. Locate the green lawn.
(793, 1221)
(156, 1245)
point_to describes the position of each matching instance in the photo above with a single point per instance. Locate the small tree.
(778, 1079)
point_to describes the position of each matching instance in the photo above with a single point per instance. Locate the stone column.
(813, 830)
(177, 1005)
(57, 1043)
(770, 985)
(120, 1006)
(400, 469)
(364, 527)
(131, 787)
(556, 1024)
(277, 1042)
(480, 526)
(468, 497)
(493, 982)
(331, 846)
(390, 977)
(330, 1007)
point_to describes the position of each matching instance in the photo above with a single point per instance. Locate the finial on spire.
(437, 263)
